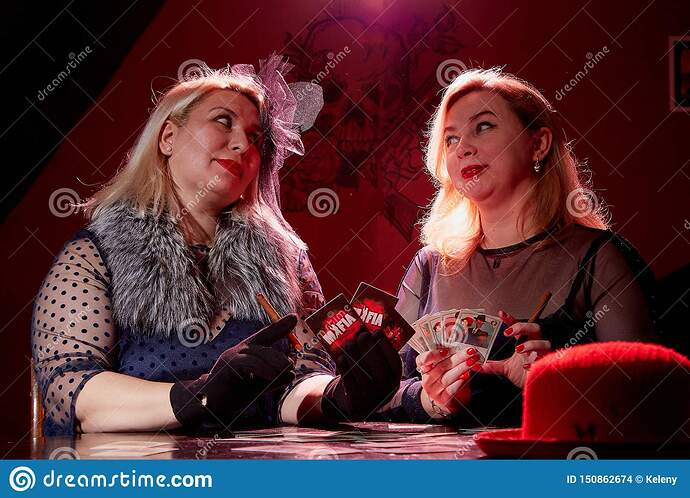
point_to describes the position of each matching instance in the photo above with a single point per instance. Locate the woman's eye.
(451, 140)
(225, 121)
(483, 126)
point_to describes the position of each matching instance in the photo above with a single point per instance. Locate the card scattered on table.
(132, 449)
(132, 453)
(118, 445)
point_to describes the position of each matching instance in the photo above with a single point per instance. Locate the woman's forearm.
(303, 404)
(113, 402)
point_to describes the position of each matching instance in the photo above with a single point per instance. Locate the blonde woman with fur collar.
(148, 318)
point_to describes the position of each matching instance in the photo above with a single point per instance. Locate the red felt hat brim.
(509, 443)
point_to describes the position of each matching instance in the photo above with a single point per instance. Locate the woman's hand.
(444, 374)
(515, 368)
(239, 376)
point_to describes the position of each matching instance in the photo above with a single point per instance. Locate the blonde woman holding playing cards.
(511, 220)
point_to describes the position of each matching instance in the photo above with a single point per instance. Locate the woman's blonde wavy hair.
(145, 181)
(452, 226)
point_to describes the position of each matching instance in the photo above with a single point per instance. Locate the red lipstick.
(231, 166)
(472, 171)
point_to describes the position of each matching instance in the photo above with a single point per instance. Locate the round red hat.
(601, 400)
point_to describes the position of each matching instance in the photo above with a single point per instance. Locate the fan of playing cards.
(338, 321)
(457, 329)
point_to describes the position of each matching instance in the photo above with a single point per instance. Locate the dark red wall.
(369, 154)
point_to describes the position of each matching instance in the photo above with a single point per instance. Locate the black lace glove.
(241, 374)
(370, 371)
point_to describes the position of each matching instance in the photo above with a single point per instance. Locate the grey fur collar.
(156, 289)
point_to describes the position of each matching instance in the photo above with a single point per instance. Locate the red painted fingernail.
(476, 367)
(465, 375)
(527, 366)
(471, 351)
(519, 348)
(508, 331)
(471, 361)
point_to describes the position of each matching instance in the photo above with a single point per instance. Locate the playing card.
(457, 328)
(416, 343)
(335, 324)
(422, 335)
(478, 330)
(501, 347)
(121, 446)
(419, 343)
(412, 450)
(305, 337)
(376, 309)
(138, 444)
(435, 326)
(450, 318)
(307, 451)
(428, 332)
(131, 453)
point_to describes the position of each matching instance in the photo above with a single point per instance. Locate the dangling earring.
(537, 166)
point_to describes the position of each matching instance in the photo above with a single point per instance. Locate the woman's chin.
(228, 186)
(474, 190)
(231, 198)
(222, 193)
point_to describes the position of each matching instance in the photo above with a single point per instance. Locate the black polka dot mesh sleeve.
(73, 336)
